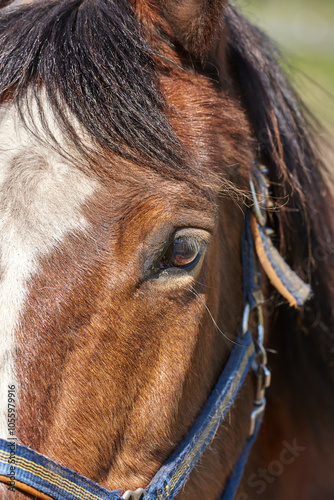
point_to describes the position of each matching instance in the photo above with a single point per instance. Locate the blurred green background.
(304, 30)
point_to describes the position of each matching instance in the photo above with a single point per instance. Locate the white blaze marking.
(41, 195)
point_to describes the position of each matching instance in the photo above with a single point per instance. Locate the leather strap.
(24, 488)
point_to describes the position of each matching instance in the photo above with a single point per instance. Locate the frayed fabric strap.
(37, 475)
(250, 268)
(233, 483)
(280, 274)
(175, 471)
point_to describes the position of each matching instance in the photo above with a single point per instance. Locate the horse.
(137, 138)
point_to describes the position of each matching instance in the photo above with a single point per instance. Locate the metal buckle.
(255, 415)
(260, 173)
(134, 495)
(263, 379)
(260, 369)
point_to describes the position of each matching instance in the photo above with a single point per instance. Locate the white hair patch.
(41, 200)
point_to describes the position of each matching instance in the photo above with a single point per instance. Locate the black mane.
(91, 59)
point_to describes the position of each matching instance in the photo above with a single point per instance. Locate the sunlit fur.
(127, 123)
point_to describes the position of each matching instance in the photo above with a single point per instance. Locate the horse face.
(121, 286)
(124, 155)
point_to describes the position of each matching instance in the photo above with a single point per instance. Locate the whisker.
(190, 289)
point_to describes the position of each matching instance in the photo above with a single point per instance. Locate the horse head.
(128, 139)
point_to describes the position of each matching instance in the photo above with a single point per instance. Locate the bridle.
(39, 476)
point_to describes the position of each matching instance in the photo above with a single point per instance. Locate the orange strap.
(266, 264)
(25, 488)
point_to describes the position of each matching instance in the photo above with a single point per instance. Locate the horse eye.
(182, 253)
